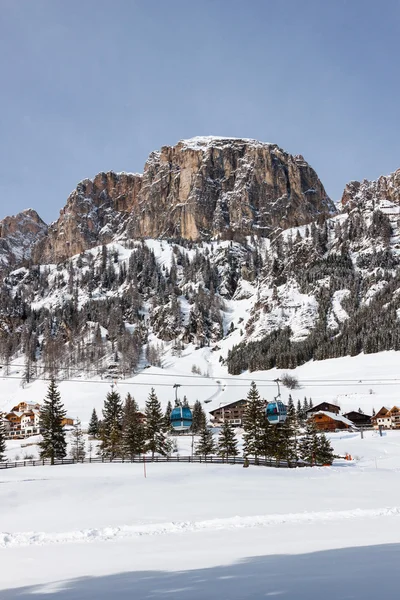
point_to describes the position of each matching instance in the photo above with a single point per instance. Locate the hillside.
(280, 278)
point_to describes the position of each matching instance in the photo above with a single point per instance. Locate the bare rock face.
(18, 236)
(198, 189)
(368, 193)
(205, 187)
(94, 213)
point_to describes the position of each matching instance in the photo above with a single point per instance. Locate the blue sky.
(96, 85)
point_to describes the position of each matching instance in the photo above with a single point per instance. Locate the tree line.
(124, 432)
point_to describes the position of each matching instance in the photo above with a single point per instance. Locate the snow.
(199, 142)
(205, 531)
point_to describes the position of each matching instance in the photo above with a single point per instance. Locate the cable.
(233, 378)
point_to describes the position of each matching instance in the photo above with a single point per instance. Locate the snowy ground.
(205, 531)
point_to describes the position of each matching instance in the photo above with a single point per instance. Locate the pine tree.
(205, 444)
(2, 440)
(93, 428)
(111, 429)
(289, 433)
(155, 426)
(308, 446)
(78, 443)
(325, 454)
(199, 417)
(227, 442)
(254, 423)
(133, 429)
(52, 413)
(167, 416)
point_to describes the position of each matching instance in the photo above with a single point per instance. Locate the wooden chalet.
(233, 412)
(325, 406)
(387, 418)
(328, 421)
(359, 419)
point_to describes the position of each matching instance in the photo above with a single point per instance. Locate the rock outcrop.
(198, 189)
(209, 186)
(368, 193)
(93, 214)
(18, 235)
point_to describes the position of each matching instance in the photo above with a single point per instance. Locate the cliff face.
(94, 212)
(199, 188)
(368, 193)
(18, 235)
(204, 186)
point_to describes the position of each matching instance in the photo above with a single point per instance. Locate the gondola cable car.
(276, 411)
(181, 417)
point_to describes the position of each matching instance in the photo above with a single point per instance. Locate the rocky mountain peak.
(19, 234)
(367, 194)
(201, 188)
(93, 214)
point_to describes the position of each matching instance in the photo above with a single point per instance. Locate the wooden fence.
(217, 460)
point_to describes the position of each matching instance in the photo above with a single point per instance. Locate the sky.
(96, 85)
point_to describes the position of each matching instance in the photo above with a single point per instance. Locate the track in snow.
(8, 540)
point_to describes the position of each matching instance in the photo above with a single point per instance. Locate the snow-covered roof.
(335, 417)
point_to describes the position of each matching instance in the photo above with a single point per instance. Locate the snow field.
(203, 532)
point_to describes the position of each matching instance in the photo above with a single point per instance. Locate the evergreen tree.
(155, 426)
(2, 440)
(268, 439)
(289, 433)
(299, 410)
(227, 442)
(52, 414)
(133, 430)
(308, 447)
(279, 441)
(254, 423)
(205, 444)
(325, 454)
(167, 416)
(78, 443)
(111, 429)
(93, 428)
(199, 417)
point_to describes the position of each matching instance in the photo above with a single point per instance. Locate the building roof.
(315, 408)
(335, 417)
(228, 405)
(356, 412)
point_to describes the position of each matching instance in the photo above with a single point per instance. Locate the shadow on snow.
(362, 573)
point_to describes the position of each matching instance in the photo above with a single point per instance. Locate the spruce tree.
(227, 442)
(93, 428)
(308, 447)
(2, 440)
(133, 429)
(167, 416)
(254, 423)
(78, 442)
(268, 440)
(155, 426)
(325, 454)
(290, 433)
(199, 417)
(111, 429)
(52, 413)
(205, 444)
